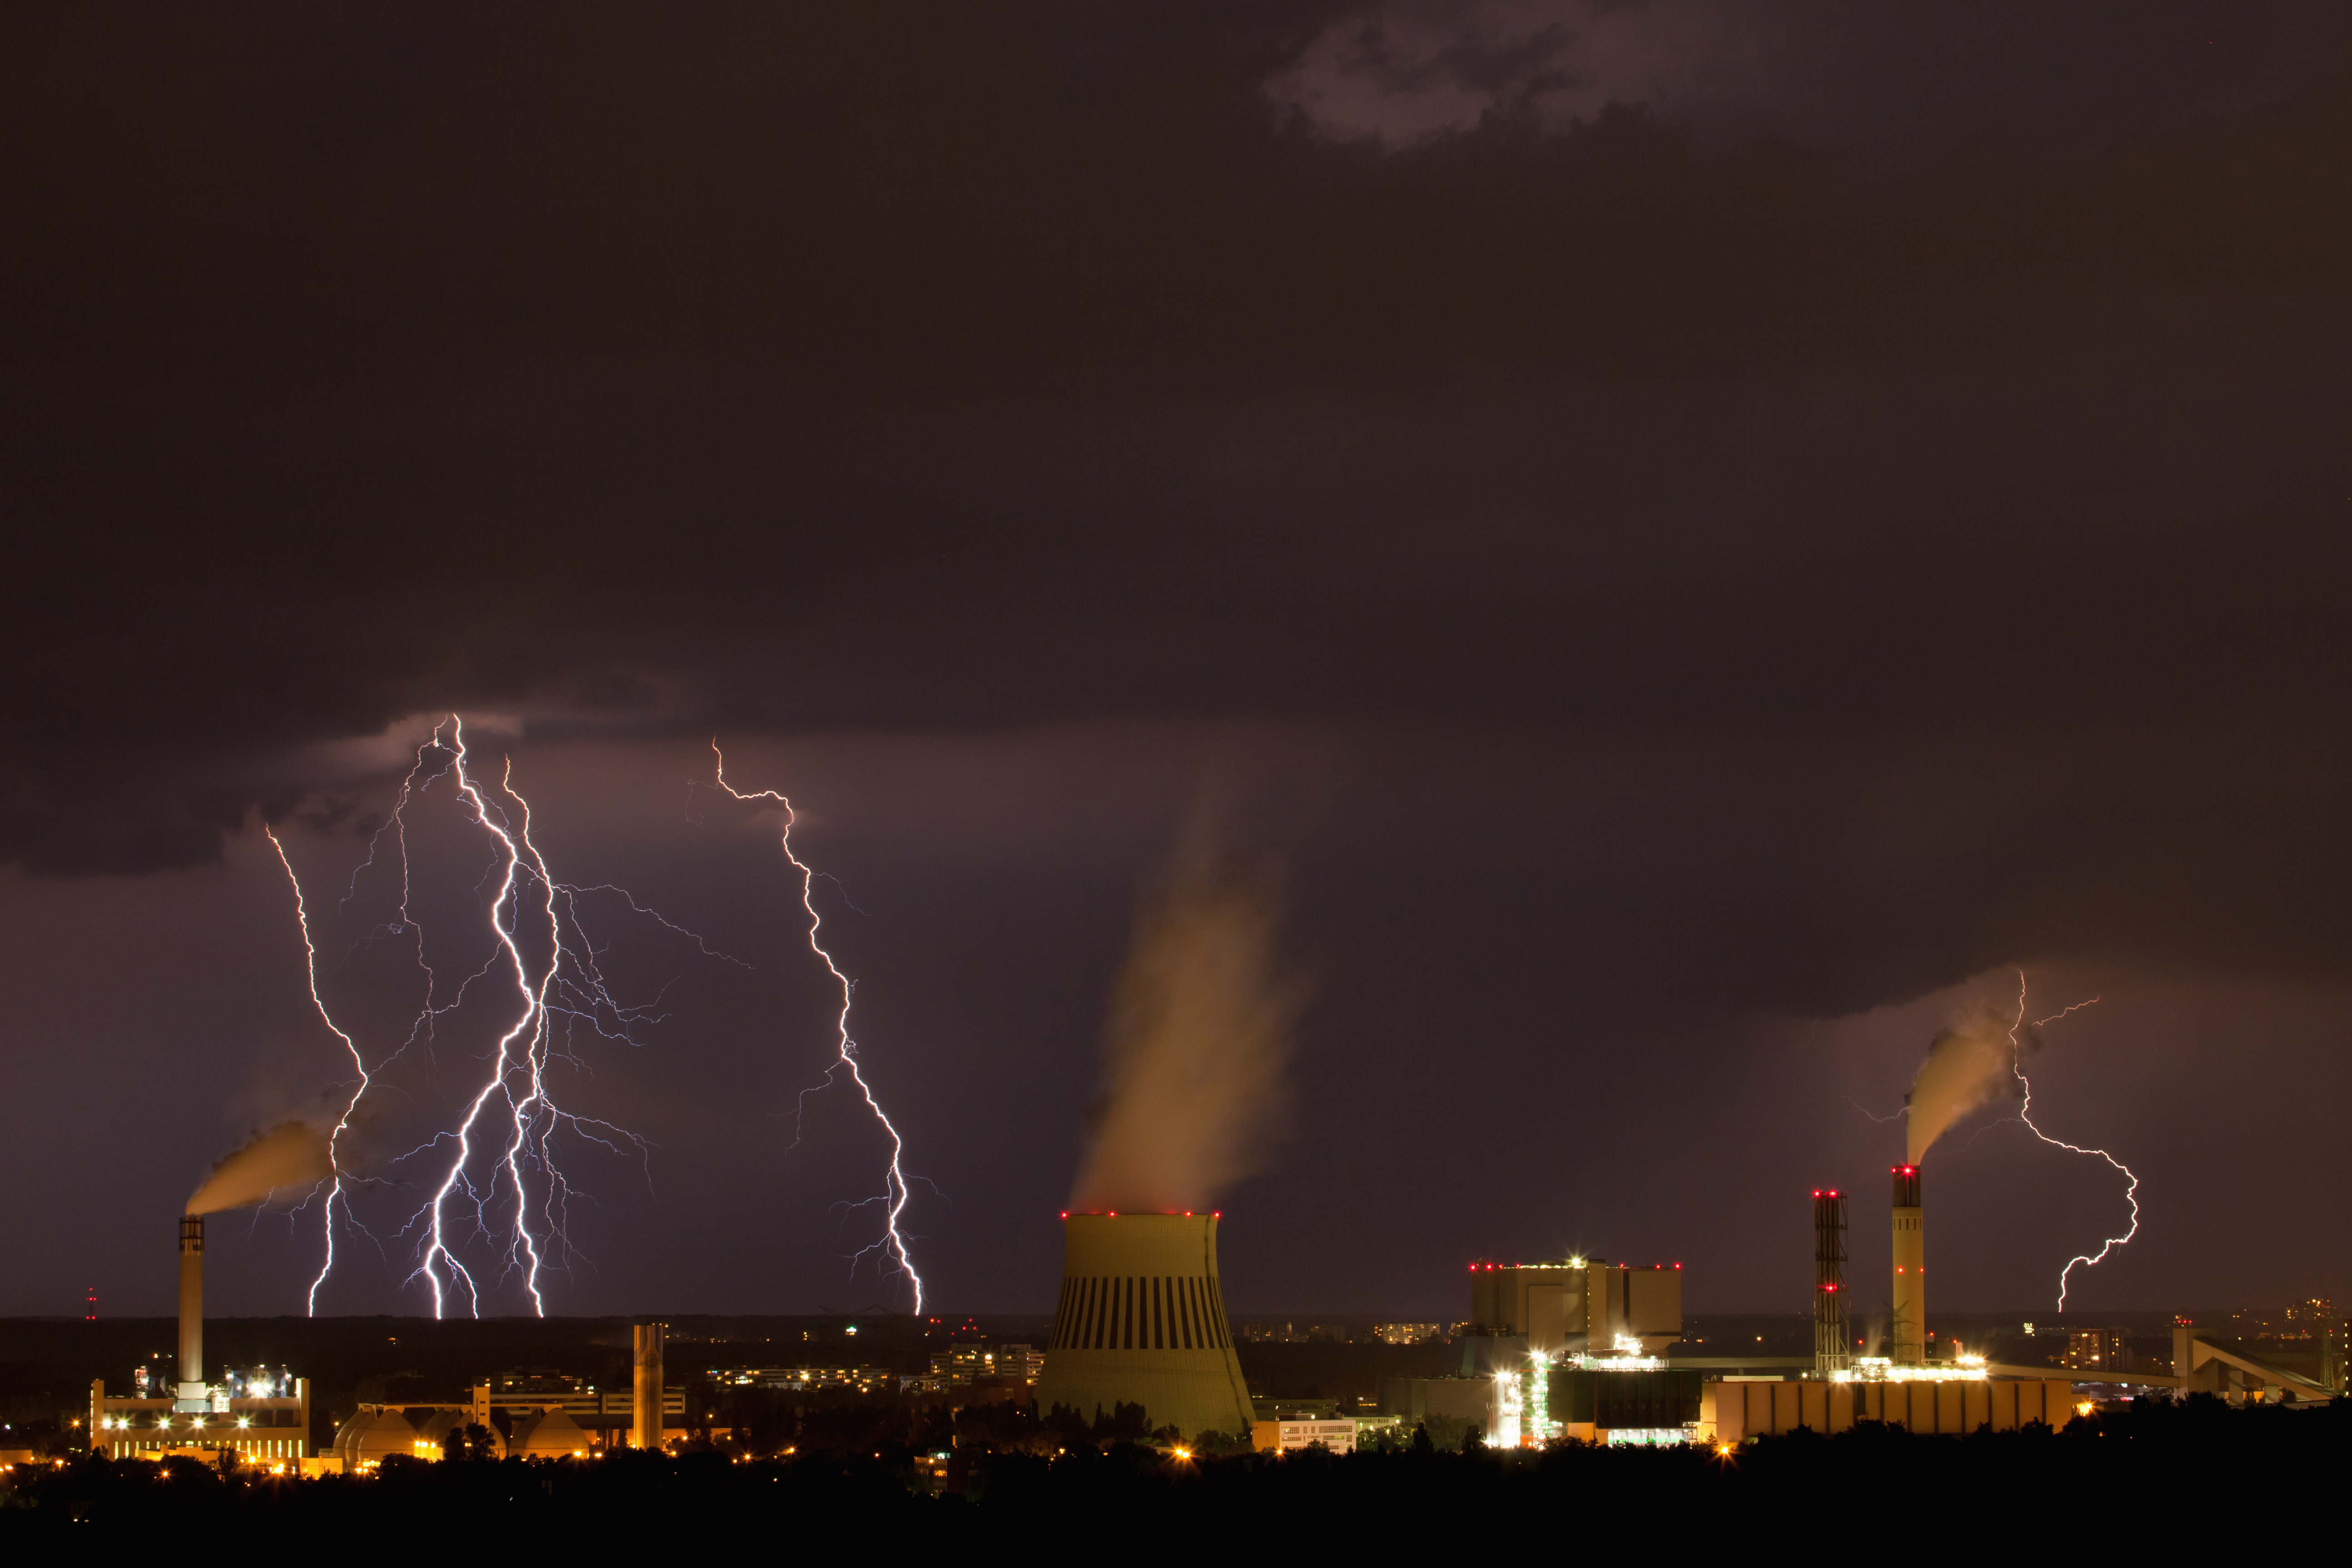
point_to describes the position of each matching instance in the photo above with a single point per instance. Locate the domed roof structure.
(546, 1435)
(372, 1436)
(435, 1428)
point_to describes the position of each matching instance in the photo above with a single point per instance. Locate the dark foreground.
(2145, 1475)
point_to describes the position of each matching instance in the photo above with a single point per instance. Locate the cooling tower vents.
(1141, 1321)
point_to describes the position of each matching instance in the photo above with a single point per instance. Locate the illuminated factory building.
(1579, 1306)
(1912, 1386)
(1576, 1348)
(528, 1416)
(1571, 1349)
(263, 1415)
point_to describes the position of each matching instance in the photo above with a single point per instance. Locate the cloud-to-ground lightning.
(358, 1065)
(2025, 1114)
(518, 1199)
(893, 1200)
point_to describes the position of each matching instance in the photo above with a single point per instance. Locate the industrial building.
(264, 1419)
(1734, 1409)
(1568, 1348)
(529, 1417)
(1288, 1436)
(2237, 1374)
(1579, 1306)
(268, 1429)
(1576, 1348)
(1141, 1321)
(377, 1432)
(1915, 1387)
(263, 1415)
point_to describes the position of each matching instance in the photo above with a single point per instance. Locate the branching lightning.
(518, 1200)
(893, 1199)
(358, 1065)
(2025, 1114)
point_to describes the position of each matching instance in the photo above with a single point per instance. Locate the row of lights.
(122, 1422)
(1572, 1263)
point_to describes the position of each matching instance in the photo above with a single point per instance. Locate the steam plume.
(291, 1153)
(1970, 1064)
(1196, 1043)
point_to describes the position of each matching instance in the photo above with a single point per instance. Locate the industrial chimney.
(193, 1395)
(1907, 1316)
(646, 1432)
(1142, 1321)
(1832, 1350)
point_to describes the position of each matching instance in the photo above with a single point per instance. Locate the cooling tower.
(1906, 1327)
(1142, 1321)
(645, 1429)
(191, 1312)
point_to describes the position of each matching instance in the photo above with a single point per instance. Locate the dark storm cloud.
(954, 367)
(1886, 86)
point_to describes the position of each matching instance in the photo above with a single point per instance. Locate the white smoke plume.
(292, 1153)
(1196, 1044)
(1970, 1064)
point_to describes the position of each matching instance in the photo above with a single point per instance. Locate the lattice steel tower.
(1832, 1351)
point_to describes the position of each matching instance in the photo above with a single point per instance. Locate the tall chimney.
(1830, 1351)
(192, 1310)
(1142, 1321)
(646, 1431)
(1907, 1319)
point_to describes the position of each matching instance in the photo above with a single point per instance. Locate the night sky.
(1698, 538)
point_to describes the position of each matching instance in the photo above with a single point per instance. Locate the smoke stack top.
(289, 1154)
(1970, 1064)
(1196, 1043)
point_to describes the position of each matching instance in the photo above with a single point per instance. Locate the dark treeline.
(2154, 1469)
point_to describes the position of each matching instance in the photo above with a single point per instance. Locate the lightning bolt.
(521, 1201)
(359, 1063)
(895, 1189)
(2025, 1114)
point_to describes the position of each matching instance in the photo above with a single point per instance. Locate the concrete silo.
(1141, 1321)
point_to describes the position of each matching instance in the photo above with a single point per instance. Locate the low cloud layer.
(1889, 85)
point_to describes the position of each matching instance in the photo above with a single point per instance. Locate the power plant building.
(268, 1424)
(1577, 1349)
(1578, 1306)
(267, 1429)
(1736, 1409)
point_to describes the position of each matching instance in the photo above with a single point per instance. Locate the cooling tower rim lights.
(1148, 1213)
(1572, 1263)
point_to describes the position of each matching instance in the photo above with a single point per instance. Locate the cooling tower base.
(1142, 1321)
(1192, 1392)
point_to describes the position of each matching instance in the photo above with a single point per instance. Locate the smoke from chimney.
(291, 1153)
(1970, 1064)
(1196, 1044)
